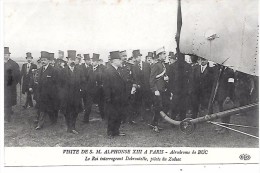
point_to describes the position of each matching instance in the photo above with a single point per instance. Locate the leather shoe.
(37, 128)
(75, 132)
(121, 134)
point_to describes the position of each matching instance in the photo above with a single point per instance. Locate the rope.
(234, 130)
(237, 125)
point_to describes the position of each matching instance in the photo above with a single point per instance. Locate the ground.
(20, 132)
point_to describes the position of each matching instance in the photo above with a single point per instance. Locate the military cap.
(160, 50)
(123, 53)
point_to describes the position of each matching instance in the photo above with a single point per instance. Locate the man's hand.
(157, 93)
(30, 89)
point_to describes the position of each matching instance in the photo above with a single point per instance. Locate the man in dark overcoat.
(141, 85)
(47, 90)
(179, 81)
(11, 79)
(115, 95)
(26, 75)
(202, 79)
(72, 84)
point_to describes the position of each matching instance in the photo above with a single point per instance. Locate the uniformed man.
(11, 79)
(26, 75)
(47, 90)
(72, 84)
(115, 95)
(158, 79)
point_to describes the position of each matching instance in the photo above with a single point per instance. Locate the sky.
(89, 26)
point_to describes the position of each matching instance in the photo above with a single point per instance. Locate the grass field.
(20, 132)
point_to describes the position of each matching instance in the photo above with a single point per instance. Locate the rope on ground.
(233, 129)
(237, 125)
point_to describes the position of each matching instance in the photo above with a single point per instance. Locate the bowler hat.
(115, 55)
(29, 55)
(71, 54)
(136, 53)
(6, 50)
(86, 57)
(95, 57)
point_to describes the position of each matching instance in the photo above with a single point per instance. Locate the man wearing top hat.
(88, 92)
(115, 95)
(158, 80)
(149, 58)
(26, 75)
(141, 85)
(47, 90)
(71, 82)
(179, 84)
(11, 79)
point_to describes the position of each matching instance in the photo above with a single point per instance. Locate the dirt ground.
(20, 132)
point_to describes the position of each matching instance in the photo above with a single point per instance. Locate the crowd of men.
(123, 88)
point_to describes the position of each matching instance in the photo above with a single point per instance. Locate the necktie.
(140, 66)
(28, 68)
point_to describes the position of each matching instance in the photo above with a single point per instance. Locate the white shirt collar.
(71, 68)
(114, 66)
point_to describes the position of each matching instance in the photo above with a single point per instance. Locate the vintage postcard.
(129, 83)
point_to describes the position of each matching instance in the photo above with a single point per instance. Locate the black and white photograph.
(165, 77)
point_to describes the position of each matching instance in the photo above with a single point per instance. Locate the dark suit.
(143, 95)
(92, 90)
(179, 81)
(11, 79)
(71, 82)
(201, 87)
(115, 97)
(126, 72)
(26, 75)
(158, 84)
(47, 90)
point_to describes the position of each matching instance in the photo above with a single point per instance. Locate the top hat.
(172, 56)
(115, 55)
(61, 54)
(51, 56)
(150, 54)
(29, 55)
(160, 50)
(45, 54)
(86, 57)
(123, 53)
(71, 54)
(6, 50)
(136, 53)
(154, 55)
(95, 57)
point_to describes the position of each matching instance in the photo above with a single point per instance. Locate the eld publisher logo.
(244, 157)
